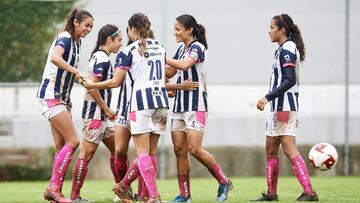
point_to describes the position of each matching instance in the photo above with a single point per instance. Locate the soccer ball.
(323, 156)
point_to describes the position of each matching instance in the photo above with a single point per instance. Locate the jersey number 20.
(155, 74)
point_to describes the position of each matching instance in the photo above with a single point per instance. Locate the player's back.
(147, 71)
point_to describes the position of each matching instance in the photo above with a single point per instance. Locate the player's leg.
(62, 123)
(272, 169)
(194, 143)
(121, 163)
(299, 167)
(182, 163)
(87, 151)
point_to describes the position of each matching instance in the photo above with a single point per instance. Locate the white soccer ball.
(323, 156)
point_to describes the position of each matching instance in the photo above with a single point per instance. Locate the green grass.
(329, 189)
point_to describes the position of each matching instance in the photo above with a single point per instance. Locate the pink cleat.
(55, 197)
(122, 193)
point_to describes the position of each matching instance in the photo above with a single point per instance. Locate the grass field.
(329, 189)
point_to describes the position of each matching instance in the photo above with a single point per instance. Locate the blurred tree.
(27, 30)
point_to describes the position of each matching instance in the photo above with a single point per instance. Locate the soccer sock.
(113, 169)
(219, 174)
(121, 166)
(62, 162)
(184, 185)
(131, 174)
(79, 173)
(300, 170)
(52, 171)
(272, 174)
(144, 191)
(148, 173)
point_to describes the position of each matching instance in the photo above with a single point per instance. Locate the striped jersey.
(57, 83)
(100, 67)
(146, 73)
(123, 104)
(286, 56)
(194, 100)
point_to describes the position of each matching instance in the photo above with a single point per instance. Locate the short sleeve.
(287, 59)
(99, 69)
(196, 53)
(63, 42)
(123, 61)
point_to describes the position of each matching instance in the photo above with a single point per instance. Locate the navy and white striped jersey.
(287, 58)
(57, 83)
(195, 100)
(147, 74)
(100, 67)
(123, 104)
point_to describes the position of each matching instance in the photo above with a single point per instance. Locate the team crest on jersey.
(120, 61)
(61, 42)
(287, 57)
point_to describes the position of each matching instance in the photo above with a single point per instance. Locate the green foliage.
(22, 172)
(27, 29)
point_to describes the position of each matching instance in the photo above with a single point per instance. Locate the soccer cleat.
(305, 197)
(57, 197)
(266, 197)
(180, 198)
(123, 194)
(154, 200)
(82, 200)
(223, 191)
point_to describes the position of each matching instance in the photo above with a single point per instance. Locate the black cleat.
(266, 197)
(305, 197)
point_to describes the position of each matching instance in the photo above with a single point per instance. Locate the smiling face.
(84, 27)
(181, 33)
(115, 43)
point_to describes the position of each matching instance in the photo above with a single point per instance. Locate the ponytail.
(292, 32)
(201, 35)
(78, 15)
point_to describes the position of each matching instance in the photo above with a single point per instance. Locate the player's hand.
(110, 114)
(88, 84)
(171, 94)
(261, 103)
(81, 76)
(189, 85)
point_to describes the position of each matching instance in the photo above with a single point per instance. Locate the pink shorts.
(193, 120)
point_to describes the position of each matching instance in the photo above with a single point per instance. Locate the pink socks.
(219, 174)
(61, 163)
(147, 171)
(272, 174)
(79, 173)
(184, 185)
(300, 170)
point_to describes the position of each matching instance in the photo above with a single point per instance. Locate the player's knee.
(120, 152)
(195, 151)
(179, 151)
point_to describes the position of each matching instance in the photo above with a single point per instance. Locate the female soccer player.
(190, 107)
(54, 95)
(283, 96)
(96, 112)
(144, 61)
